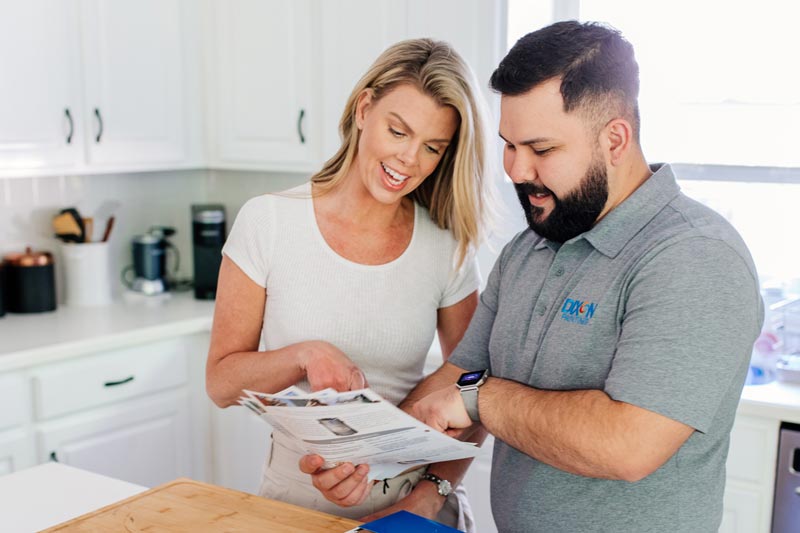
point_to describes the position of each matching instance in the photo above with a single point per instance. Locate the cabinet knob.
(71, 125)
(300, 126)
(53, 457)
(99, 125)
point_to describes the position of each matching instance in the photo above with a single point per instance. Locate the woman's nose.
(408, 155)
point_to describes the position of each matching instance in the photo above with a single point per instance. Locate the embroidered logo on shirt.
(577, 312)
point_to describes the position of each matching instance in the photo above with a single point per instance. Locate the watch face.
(470, 378)
(445, 488)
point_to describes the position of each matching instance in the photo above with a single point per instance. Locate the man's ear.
(362, 104)
(616, 139)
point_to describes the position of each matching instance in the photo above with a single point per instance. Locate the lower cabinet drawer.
(103, 378)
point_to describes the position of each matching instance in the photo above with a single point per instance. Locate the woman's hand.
(345, 485)
(325, 366)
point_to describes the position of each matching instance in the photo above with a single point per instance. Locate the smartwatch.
(443, 487)
(468, 385)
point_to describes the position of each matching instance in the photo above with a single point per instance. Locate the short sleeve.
(472, 352)
(250, 240)
(691, 315)
(461, 283)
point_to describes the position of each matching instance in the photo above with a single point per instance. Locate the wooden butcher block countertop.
(192, 506)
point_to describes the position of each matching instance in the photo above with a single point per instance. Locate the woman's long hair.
(459, 194)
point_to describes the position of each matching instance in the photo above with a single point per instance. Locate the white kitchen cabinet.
(145, 441)
(747, 503)
(16, 450)
(16, 439)
(281, 111)
(241, 443)
(133, 68)
(355, 32)
(93, 86)
(40, 113)
(124, 413)
(262, 75)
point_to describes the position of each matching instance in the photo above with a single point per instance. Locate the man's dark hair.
(598, 70)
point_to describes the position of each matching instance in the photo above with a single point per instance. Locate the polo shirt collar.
(620, 225)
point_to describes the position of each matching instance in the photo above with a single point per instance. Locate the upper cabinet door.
(39, 110)
(354, 34)
(133, 66)
(263, 115)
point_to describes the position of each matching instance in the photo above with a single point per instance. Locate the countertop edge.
(59, 351)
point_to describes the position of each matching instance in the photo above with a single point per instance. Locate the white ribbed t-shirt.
(383, 317)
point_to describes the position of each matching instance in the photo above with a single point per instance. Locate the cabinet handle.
(53, 457)
(71, 125)
(120, 382)
(300, 126)
(99, 124)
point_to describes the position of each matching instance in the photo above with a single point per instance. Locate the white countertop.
(28, 339)
(777, 400)
(51, 493)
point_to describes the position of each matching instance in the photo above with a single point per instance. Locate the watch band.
(443, 487)
(470, 398)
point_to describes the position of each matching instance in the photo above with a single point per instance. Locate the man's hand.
(326, 366)
(444, 411)
(345, 485)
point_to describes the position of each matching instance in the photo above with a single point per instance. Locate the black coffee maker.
(149, 267)
(208, 236)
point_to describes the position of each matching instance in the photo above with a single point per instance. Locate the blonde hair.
(459, 194)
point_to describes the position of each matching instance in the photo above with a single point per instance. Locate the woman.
(346, 279)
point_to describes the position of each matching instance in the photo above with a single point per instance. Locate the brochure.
(356, 426)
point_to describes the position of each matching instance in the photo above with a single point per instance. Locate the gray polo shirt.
(658, 305)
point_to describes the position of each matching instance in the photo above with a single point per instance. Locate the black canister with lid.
(2, 287)
(30, 284)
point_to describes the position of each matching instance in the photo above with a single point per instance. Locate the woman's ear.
(617, 138)
(362, 104)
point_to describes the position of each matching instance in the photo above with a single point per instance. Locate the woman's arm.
(347, 485)
(233, 360)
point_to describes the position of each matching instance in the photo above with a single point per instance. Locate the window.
(720, 96)
(719, 79)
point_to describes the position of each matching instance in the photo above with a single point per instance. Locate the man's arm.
(583, 432)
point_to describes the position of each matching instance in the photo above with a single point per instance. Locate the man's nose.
(521, 169)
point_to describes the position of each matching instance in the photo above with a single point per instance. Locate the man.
(617, 331)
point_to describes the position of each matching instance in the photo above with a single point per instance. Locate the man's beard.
(576, 213)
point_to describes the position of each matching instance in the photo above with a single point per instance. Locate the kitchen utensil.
(66, 228)
(30, 282)
(88, 229)
(78, 220)
(106, 210)
(187, 505)
(109, 226)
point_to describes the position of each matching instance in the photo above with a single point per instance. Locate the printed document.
(359, 427)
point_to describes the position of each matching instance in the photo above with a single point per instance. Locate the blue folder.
(403, 522)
